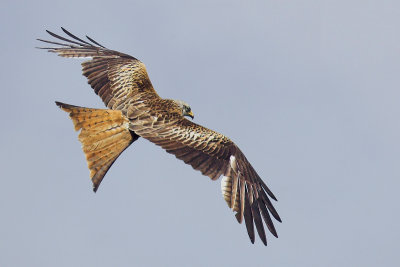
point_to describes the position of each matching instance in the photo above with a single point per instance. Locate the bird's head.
(186, 110)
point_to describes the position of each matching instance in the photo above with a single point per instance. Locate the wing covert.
(214, 154)
(119, 79)
(122, 83)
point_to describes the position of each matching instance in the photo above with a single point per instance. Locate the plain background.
(308, 89)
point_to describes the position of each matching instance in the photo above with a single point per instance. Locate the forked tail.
(104, 136)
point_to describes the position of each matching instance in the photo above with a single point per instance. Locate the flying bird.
(136, 110)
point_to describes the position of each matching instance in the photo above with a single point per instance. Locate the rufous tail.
(104, 136)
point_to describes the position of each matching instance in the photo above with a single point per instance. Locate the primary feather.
(123, 84)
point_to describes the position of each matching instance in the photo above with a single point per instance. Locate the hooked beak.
(190, 114)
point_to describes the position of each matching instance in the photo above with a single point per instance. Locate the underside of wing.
(119, 79)
(247, 195)
(123, 84)
(214, 155)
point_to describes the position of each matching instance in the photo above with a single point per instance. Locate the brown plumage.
(136, 110)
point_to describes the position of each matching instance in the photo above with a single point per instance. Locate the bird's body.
(136, 110)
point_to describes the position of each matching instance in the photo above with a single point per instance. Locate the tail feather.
(104, 136)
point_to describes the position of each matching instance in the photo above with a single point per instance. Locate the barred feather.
(104, 136)
(135, 109)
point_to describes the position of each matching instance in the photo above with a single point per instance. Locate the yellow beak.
(190, 114)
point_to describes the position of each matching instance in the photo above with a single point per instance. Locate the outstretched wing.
(119, 79)
(214, 155)
(122, 83)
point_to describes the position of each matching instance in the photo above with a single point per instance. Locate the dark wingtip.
(269, 192)
(272, 195)
(275, 234)
(64, 30)
(51, 33)
(237, 216)
(264, 240)
(75, 37)
(93, 41)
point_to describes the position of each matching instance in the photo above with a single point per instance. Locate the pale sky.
(309, 90)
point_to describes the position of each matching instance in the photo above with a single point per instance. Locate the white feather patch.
(229, 182)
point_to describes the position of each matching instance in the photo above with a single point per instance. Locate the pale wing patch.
(229, 185)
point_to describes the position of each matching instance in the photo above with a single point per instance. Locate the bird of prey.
(136, 110)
